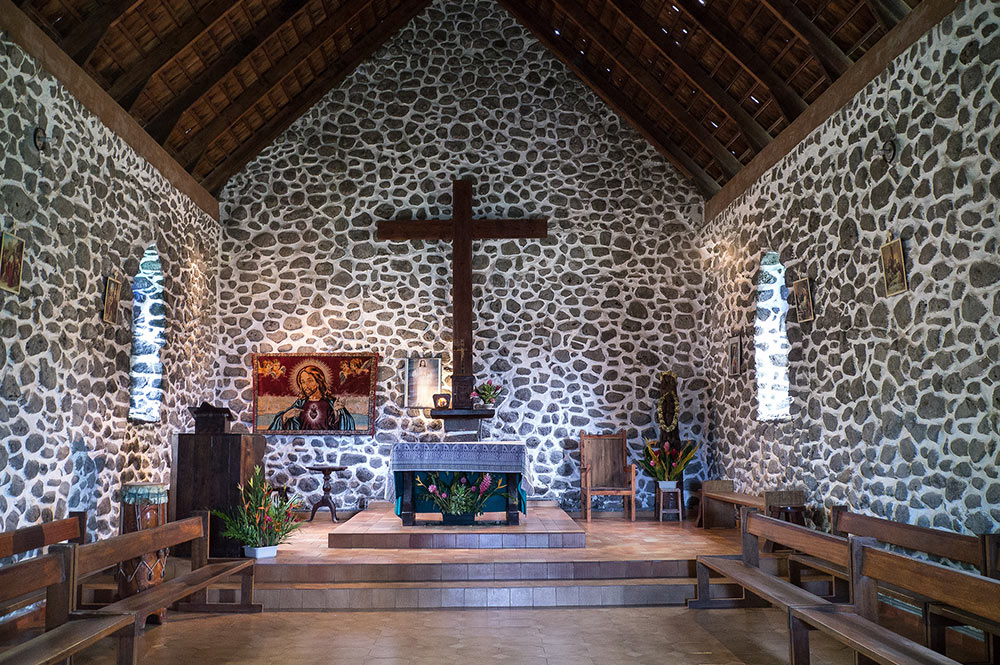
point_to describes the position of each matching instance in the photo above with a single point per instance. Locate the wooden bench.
(978, 551)
(759, 586)
(857, 625)
(719, 498)
(12, 543)
(92, 558)
(65, 633)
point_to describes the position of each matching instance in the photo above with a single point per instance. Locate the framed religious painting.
(803, 300)
(314, 393)
(112, 297)
(893, 267)
(735, 355)
(423, 381)
(11, 262)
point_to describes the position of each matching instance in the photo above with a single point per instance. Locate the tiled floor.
(583, 636)
(608, 538)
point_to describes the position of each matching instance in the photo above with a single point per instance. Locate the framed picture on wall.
(11, 262)
(317, 393)
(893, 267)
(803, 300)
(423, 381)
(735, 355)
(112, 296)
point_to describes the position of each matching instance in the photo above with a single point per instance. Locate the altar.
(408, 459)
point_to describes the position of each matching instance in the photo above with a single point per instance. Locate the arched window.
(148, 325)
(771, 341)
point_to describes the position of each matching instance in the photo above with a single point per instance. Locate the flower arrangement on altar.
(262, 519)
(466, 494)
(662, 463)
(487, 391)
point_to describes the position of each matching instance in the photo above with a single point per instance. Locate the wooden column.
(463, 380)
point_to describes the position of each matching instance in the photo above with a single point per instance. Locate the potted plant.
(487, 392)
(463, 498)
(263, 520)
(665, 465)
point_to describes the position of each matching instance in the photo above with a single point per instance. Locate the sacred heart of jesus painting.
(321, 393)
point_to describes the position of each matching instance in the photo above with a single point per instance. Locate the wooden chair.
(604, 470)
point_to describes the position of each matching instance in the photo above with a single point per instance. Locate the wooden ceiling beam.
(312, 93)
(127, 87)
(601, 36)
(888, 12)
(731, 42)
(83, 39)
(623, 106)
(198, 142)
(162, 124)
(833, 60)
(756, 135)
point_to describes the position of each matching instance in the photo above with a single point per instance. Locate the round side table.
(327, 499)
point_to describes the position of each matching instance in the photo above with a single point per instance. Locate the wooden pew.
(65, 633)
(192, 585)
(857, 625)
(759, 586)
(718, 499)
(71, 529)
(978, 551)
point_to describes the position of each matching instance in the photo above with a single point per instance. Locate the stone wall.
(895, 400)
(578, 325)
(87, 207)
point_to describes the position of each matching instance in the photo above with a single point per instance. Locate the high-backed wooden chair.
(604, 470)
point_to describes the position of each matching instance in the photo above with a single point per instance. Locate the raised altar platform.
(546, 525)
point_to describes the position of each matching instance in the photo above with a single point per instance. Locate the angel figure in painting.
(316, 408)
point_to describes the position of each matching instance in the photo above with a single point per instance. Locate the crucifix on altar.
(461, 230)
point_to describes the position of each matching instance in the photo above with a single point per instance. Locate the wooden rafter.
(703, 182)
(729, 40)
(889, 12)
(830, 57)
(360, 52)
(600, 35)
(198, 142)
(127, 87)
(84, 38)
(756, 135)
(160, 125)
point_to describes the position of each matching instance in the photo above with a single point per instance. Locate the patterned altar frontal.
(474, 456)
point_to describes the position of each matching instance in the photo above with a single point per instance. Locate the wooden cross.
(462, 229)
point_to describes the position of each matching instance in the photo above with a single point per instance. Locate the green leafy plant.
(467, 492)
(487, 391)
(262, 519)
(662, 463)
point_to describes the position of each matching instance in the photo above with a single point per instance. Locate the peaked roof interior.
(708, 82)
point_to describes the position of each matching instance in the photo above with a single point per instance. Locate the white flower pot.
(667, 484)
(268, 552)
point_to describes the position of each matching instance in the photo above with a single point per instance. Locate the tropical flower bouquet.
(488, 392)
(263, 520)
(464, 496)
(664, 464)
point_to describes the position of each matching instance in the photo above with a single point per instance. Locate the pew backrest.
(936, 542)
(37, 536)
(970, 592)
(30, 575)
(825, 546)
(102, 554)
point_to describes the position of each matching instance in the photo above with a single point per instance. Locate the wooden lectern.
(207, 467)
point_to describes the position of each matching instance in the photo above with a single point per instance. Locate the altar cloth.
(496, 457)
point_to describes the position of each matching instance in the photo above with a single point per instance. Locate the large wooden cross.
(462, 229)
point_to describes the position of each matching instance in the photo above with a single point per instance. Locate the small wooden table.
(663, 505)
(327, 499)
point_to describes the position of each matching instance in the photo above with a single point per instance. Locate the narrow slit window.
(149, 323)
(771, 341)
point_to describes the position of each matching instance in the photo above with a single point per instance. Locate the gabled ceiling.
(708, 82)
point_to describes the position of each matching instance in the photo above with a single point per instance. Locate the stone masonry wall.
(578, 325)
(895, 400)
(87, 207)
